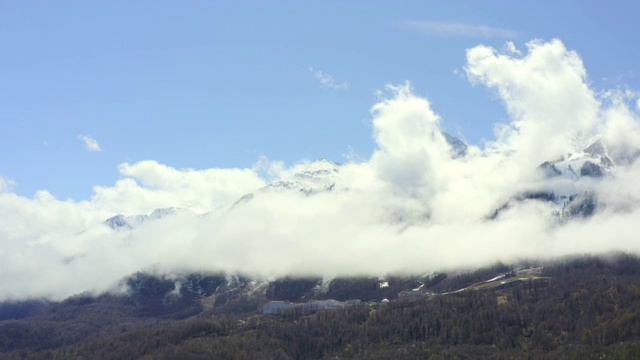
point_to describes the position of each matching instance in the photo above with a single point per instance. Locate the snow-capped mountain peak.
(568, 180)
(319, 176)
(458, 147)
(593, 161)
(131, 221)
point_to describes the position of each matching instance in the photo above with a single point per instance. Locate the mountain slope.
(595, 163)
(589, 309)
(131, 221)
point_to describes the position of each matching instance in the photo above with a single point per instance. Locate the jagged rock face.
(593, 161)
(458, 148)
(320, 176)
(606, 162)
(117, 221)
(591, 169)
(544, 196)
(596, 149)
(132, 221)
(125, 222)
(550, 169)
(597, 161)
(611, 154)
(581, 205)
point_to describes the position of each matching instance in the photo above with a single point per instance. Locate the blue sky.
(195, 84)
(125, 107)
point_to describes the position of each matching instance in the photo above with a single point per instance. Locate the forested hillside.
(581, 308)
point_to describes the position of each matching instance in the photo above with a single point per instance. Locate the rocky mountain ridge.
(132, 221)
(596, 161)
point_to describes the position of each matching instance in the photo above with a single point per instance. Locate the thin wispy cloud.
(6, 184)
(456, 29)
(327, 80)
(90, 143)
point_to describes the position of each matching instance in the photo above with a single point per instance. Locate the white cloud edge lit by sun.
(6, 185)
(327, 80)
(457, 29)
(90, 143)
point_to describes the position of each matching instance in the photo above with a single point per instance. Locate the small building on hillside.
(277, 307)
(323, 305)
(353, 302)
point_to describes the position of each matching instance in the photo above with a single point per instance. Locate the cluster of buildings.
(277, 307)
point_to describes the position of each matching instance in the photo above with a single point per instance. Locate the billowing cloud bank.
(411, 207)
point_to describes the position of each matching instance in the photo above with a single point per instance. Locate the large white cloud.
(552, 108)
(409, 207)
(149, 185)
(410, 147)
